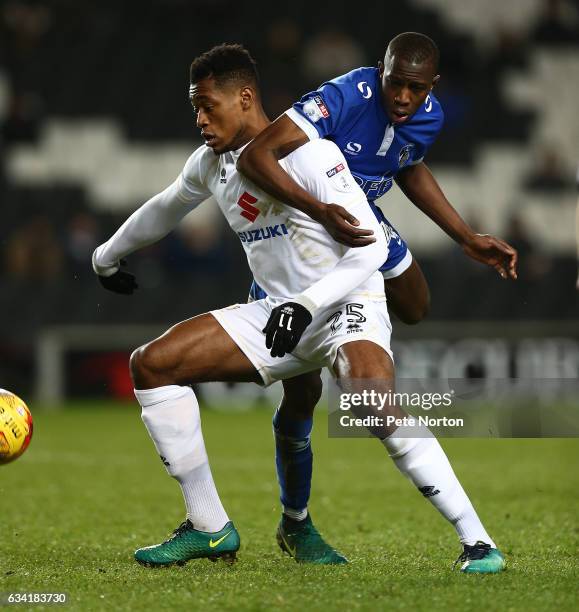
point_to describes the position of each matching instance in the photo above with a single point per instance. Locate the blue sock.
(293, 460)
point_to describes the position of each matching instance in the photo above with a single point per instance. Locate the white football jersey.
(291, 256)
(286, 250)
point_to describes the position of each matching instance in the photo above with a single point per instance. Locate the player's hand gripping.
(285, 327)
(120, 282)
(342, 226)
(494, 252)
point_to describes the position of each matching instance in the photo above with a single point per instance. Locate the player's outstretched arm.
(259, 163)
(422, 189)
(151, 222)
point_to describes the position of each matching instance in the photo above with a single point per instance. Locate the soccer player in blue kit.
(384, 120)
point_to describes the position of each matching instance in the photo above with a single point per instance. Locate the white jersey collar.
(235, 154)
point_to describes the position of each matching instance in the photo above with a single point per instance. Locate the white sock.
(422, 460)
(296, 515)
(171, 416)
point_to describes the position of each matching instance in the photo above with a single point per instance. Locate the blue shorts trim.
(256, 292)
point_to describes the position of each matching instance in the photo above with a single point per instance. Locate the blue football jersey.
(348, 110)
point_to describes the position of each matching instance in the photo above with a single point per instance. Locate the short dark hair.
(226, 63)
(415, 48)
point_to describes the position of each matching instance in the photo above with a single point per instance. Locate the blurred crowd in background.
(128, 62)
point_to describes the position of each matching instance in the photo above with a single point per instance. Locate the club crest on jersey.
(246, 202)
(316, 109)
(404, 154)
(333, 171)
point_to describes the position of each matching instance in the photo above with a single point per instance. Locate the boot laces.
(479, 550)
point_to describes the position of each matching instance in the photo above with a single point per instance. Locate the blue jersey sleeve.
(319, 111)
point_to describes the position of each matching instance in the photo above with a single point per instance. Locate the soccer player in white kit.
(311, 282)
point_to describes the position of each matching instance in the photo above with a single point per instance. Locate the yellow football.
(15, 426)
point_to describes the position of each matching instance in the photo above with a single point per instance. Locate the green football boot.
(302, 541)
(481, 559)
(187, 543)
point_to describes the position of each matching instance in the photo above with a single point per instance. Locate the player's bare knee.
(148, 368)
(358, 362)
(312, 392)
(359, 373)
(137, 368)
(302, 394)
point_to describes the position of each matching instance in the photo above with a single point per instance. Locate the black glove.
(285, 327)
(120, 282)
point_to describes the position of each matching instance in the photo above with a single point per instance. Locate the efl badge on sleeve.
(315, 109)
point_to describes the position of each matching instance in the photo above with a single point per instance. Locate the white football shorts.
(355, 318)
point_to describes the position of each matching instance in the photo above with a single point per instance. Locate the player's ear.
(435, 81)
(380, 68)
(247, 98)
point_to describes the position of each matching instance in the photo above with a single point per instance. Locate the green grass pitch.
(91, 489)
